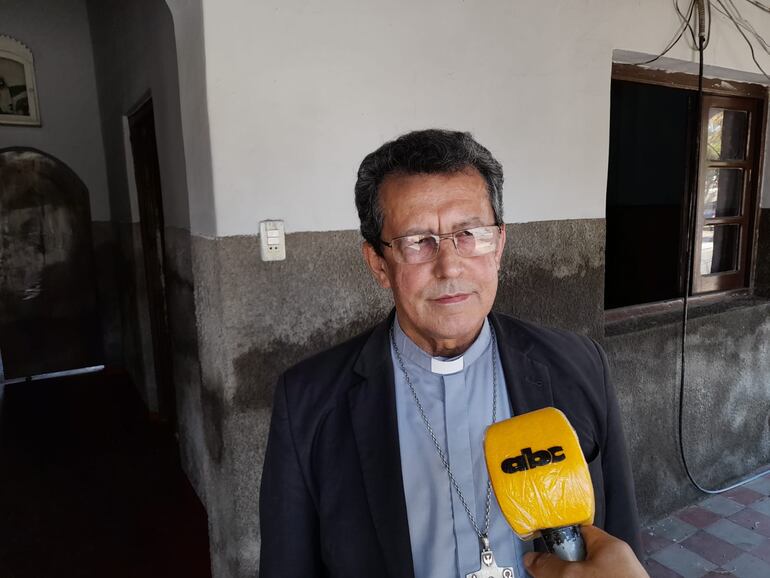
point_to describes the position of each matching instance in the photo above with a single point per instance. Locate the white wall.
(191, 60)
(299, 92)
(59, 37)
(135, 55)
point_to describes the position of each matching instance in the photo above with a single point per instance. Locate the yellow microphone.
(541, 479)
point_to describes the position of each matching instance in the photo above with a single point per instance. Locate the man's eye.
(415, 242)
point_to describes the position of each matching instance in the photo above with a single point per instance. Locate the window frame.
(712, 88)
(739, 277)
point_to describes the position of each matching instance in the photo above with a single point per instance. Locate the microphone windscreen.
(538, 472)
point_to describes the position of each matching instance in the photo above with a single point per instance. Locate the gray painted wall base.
(105, 257)
(137, 334)
(182, 318)
(553, 274)
(762, 275)
(127, 334)
(726, 429)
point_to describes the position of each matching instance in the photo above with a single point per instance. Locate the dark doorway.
(48, 307)
(150, 199)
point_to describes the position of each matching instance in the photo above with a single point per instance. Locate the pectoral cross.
(489, 568)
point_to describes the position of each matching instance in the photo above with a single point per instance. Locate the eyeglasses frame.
(440, 237)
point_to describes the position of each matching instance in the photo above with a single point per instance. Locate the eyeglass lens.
(469, 243)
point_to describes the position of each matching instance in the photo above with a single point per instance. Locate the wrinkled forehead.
(422, 202)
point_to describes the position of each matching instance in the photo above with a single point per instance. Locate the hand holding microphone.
(541, 480)
(607, 556)
(542, 484)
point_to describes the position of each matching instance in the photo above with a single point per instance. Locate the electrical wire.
(677, 35)
(686, 21)
(746, 25)
(740, 23)
(759, 5)
(689, 239)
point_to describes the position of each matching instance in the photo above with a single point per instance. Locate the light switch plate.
(272, 240)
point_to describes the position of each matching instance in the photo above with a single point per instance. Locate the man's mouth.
(454, 298)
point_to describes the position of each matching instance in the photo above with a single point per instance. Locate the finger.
(541, 565)
(594, 537)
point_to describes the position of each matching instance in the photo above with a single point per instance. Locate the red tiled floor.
(712, 548)
(743, 496)
(762, 551)
(656, 570)
(652, 543)
(752, 520)
(90, 487)
(697, 516)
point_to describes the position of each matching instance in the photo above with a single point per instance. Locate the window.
(651, 164)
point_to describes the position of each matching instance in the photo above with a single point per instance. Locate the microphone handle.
(566, 542)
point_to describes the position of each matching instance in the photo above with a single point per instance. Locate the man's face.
(441, 304)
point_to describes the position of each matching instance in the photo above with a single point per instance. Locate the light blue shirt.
(459, 409)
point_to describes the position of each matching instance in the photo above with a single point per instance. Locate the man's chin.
(458, 326)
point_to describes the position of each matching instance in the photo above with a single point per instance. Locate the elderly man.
(374, 464)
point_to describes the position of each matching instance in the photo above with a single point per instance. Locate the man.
(374, 465)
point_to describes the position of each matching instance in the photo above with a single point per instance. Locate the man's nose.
(448, 262)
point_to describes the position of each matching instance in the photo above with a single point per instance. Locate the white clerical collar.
(441, 365)
(438, 365)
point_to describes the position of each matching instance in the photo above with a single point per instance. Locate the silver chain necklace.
(488, 568)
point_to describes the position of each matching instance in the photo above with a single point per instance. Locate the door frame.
(152, 228)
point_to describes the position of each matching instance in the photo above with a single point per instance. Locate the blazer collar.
(527, 380)
(375, 426)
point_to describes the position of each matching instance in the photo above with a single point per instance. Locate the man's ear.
(500, 246)
(377, 265)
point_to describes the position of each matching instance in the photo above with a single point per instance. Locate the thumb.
(541, 565)
(594, 537)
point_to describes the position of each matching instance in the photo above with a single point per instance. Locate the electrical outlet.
(272, 239)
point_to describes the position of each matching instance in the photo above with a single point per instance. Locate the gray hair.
(431, 151)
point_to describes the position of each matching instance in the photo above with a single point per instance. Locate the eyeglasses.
(422, 248)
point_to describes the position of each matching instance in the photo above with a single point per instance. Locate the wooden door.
(150, 200)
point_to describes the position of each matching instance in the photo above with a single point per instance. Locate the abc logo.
(529, 460)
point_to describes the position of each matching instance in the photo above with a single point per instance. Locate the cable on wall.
(733, 14)
(703, 13)
(678, 34)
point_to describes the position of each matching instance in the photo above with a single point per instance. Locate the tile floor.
(721, 536)
(90, 487)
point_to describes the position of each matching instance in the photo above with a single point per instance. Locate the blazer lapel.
(527, 380)
(375, 427)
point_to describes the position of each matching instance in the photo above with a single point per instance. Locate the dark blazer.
(332, 498)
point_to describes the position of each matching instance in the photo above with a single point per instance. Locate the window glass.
(648, 128)
(719, 248)
(727, 132)
(724, 192)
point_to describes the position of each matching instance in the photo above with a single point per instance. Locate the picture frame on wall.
(18, 93)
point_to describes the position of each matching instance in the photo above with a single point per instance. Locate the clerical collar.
(441, 365)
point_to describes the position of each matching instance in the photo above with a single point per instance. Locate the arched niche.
(48, 307)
